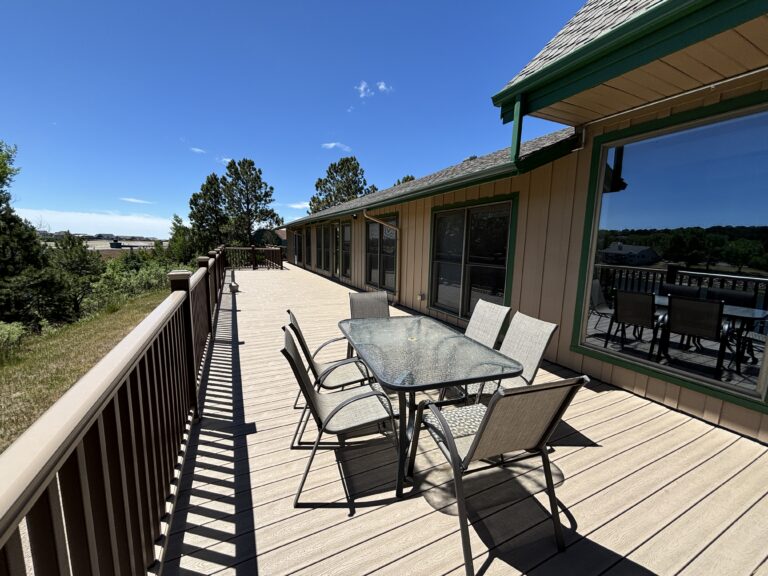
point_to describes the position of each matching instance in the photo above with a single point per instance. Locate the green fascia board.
(663, 30)
(524, 164)
(729, 106)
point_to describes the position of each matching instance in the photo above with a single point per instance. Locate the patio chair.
(367, 305)
(340, 413)
(516, 419)
(743, 298)
(680, 290)
(638, 310)
(526, 341)
(699, 319)
(486, 321)
(597, 304)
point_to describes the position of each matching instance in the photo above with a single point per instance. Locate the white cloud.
(382, 86)
(350, 109)
(197, 150)
(339, 145)
(299, 205)
(363, 89)
(99, 222)
(136, 201)
(224, 160)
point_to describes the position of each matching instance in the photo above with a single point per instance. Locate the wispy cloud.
(363, 89)
(339, 145)
(99, 222)
(136, 201)
(299, 205)
(350, 109)
(224, 160)
(383, 87)
(197, 150)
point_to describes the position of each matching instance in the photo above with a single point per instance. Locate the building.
(628, 254)
(667, 108)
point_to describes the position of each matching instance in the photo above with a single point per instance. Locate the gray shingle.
(594, 19)
(473, 166)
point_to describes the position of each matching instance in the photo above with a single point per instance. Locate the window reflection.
(685, 214)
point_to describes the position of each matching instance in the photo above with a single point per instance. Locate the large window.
(324, 247)
(298, 244)
(381, 254)
(469, 257)
(683, 216)
(308, 251)
(346, 249)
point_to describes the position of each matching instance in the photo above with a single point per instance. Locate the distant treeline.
(737, 246)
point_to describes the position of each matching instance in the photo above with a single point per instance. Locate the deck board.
(647, 489)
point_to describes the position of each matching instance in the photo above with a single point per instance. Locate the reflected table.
(407, 354)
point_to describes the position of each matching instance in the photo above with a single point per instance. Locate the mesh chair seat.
(362, 413)
(464, 423)
(343, 375)
(488, 388)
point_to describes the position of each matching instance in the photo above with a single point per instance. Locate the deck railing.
(89, 487)
(637, 279)
(253, 257)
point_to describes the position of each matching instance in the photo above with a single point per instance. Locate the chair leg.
(296, 402)
(553, 501)
(720, 359)
(306, 470)
(461, 504)
(653, 342)
(301, 425)
(608, 333)
(415, 438)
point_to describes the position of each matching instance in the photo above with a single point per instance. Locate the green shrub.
(11, 335)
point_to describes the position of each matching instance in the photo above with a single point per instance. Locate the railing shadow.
(216, 480)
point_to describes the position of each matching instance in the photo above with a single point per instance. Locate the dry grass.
(46, 366)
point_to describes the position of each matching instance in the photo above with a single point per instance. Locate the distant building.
(629, 255)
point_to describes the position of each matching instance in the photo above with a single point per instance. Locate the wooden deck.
(645, 490)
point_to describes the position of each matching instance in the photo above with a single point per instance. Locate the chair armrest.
(447, 434)
(324, 344)
(348, 401)
(365, 375)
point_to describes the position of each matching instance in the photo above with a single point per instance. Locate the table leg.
(407, 409)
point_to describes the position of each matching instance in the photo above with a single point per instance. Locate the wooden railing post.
(216, 277)
(180, 281)
(202, 262)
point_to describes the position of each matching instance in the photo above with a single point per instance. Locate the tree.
(80, 267)
(344, 180)
(207, 214)
(404, 179)
(248, 199)
(741, 252)
(180, 246)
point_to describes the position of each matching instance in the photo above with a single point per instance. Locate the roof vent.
(473, 157)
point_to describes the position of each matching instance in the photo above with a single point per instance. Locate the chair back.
(743, 298)
(680, 290)
(526, 341)
(694, 317)
(369, 304)
(294, 324)
(486, 321)
(291, 353)
(522, 418)
(635, 308)
(596, 296)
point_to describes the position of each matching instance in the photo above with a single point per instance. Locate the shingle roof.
(594, 19)
(493, 163)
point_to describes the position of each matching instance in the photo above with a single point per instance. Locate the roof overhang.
(653, 56)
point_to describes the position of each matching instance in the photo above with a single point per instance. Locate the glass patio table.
(407, 354)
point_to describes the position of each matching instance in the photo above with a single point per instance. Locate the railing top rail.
(196, 277)
(720, 275)
(659, 270)
(28, 465)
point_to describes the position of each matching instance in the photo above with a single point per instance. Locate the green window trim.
(514, 199)
(743, 104)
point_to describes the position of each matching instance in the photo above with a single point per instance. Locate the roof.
(596, 18)
(465, 173)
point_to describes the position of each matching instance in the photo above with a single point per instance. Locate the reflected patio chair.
(743, 298)
(699, 319)
(637, 310)
(341, 413)
(526, 341)
(597, 304)
(485, 323)
(668, 289)
(741, 343)
(367, 305)
(516, 419)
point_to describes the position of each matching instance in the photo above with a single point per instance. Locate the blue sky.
(120, 109)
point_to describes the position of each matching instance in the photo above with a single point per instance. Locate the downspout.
(517, 129)
(398, 272)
